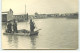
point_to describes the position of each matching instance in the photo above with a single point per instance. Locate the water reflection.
(10, 39)
(13, 41)
(33, 41)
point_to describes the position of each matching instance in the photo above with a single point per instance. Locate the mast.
(26, 15)
(25, 8)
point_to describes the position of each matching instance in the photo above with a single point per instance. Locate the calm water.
(54, 34)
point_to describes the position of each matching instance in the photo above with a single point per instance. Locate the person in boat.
(9, 27)
(32, 27)
(15, 26)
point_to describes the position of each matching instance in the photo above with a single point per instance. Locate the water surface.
(54, 34)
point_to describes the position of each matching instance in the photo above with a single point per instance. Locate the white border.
(0, 24)
(39, 51)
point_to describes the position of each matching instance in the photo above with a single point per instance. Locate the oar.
(39, 29)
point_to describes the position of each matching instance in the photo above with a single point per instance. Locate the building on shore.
(22, 17)
(40, 15)
(56, 15)
(8, 16)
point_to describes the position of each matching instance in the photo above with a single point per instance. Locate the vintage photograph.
(40, 24)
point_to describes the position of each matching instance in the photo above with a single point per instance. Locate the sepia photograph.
(39, 24)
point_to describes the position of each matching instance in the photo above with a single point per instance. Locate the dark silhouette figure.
(9, 27)
(14, 26)
(32, 27)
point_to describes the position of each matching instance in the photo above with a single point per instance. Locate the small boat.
(23, 33)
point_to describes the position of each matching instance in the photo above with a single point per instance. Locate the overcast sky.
(40, 6)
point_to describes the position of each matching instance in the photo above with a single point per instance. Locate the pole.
(25, 8)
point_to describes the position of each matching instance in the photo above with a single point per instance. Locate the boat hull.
(22, 34)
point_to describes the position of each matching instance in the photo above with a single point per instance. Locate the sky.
(40, 6)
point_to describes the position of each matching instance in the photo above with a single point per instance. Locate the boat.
(23, 33)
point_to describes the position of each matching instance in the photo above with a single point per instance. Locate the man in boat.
(32, 27)
(15, 26)
(9, 27)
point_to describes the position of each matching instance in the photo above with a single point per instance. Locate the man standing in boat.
(15, 26)
(32, 27)
(9, 27)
